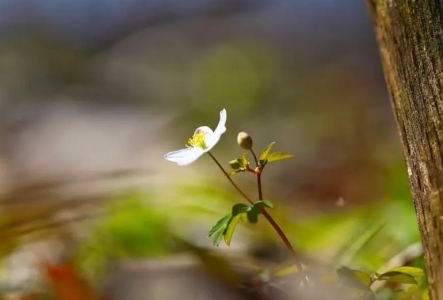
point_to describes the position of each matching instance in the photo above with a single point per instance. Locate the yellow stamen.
(197, 140)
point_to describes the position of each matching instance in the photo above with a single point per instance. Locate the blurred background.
(93, 93)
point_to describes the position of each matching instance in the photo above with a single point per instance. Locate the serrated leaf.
(230, 230)
(216, 238)
(276, 156)
(413, 271)
(397, 277)
(219, 229)
(264, 154)
(240, 208)
(220, 224)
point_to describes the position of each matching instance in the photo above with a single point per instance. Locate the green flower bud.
(244, 140)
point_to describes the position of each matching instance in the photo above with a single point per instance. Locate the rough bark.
(410, 38)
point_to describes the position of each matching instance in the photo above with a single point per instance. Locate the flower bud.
(244, 140)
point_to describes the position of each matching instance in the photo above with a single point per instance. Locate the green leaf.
(276, 156)
(414, 272)
(236, 164)
(397, 277)
(240, 208)
(264, 154)
(263, 203)
(219, 229)
(363, 276)
(244, 160)
(230, 230)
(267, 203)
(354, 278)
(256, 209)
(402, 275)
(252, 215)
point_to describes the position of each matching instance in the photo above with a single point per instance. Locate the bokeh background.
(93, 93)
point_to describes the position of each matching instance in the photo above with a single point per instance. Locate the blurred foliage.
(239, 74)
(364, 238)
(133, 230)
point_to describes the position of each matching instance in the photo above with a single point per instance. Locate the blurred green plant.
(132, 230)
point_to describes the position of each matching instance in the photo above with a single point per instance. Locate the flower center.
(197, 140)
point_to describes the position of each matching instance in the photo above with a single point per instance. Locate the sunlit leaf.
(264, 154)
(276, 156)
(415, 272)
(230, 230)
(397, 277)
(244, 160)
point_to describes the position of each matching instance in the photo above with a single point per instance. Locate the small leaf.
(240, 208)
(397, 277)
(350, 278)
(220, 224)
(244, 160)
(276, 156)
(267, 203)
(414, 272)
(219, 229)
(217, 237)
(253, 215)
(235, 164)
(262, 203)
(264, 154)
(230, 230)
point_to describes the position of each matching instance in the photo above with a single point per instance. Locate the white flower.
(202, 141)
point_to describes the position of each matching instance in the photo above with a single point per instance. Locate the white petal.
(221, 127)
(212, 140)
(185, 156)
(205, 129)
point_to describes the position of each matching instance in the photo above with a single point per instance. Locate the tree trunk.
(410, 38)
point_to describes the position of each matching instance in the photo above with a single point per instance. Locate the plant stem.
(276, 227)
(268, 217)
(230, 179)
(260, 191)
(255, 158)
